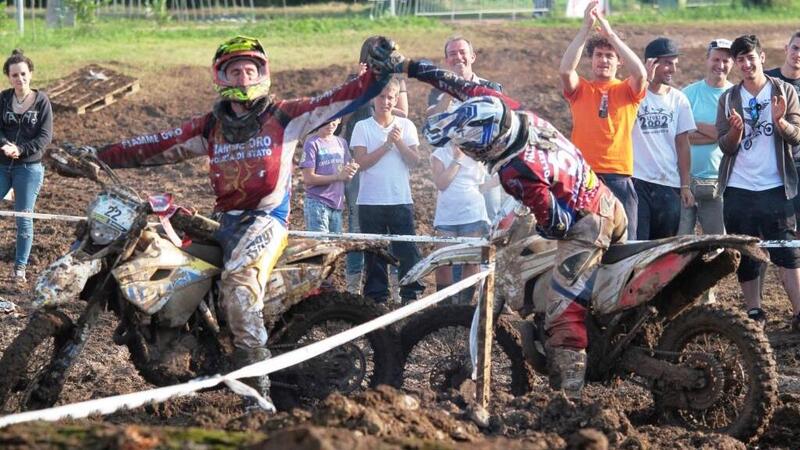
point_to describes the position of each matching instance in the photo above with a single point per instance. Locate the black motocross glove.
(80, 152)
(384, 59)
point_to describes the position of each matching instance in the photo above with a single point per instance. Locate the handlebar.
(195, 225)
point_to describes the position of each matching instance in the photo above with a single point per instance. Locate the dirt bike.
(708, 367)
(164, 293)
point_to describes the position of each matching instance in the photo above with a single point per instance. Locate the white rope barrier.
(109, 405)
(42, 216)
(308, 234)
(366, 236)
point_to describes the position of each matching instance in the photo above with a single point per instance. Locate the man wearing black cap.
(661, 155)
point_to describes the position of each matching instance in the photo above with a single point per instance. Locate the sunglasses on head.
(755, 109)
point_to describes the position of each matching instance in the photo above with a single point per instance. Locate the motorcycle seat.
(618, 252)
(209, 253)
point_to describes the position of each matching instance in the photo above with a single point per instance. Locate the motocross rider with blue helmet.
(542, 169)
(249, 138)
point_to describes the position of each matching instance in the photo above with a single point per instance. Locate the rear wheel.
(740, 394)
(364, 362)
(25, 362)
(435, 345)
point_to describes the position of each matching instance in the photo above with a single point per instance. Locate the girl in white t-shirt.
(460, 207)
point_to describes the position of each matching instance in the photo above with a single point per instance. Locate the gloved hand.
(384, 59)
(80, 152)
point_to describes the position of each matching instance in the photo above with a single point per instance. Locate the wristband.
(684, 186)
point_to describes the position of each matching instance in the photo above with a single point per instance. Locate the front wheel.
(740, 392)
(436, 352)
(365, 362)
(25, 362)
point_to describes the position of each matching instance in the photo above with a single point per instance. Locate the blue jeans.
(26, 179)
(389, 219)
(622, 188)
(659, 210)
(321, 217)
(355, 260)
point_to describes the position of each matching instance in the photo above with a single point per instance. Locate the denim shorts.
(479, 227)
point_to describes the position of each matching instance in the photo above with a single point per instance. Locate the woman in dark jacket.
(26, 128)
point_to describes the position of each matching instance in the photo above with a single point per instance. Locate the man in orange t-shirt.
(604, 109)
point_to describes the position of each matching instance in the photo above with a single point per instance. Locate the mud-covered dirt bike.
(164, 292)
(708, 367)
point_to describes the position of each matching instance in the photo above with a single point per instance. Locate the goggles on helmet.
(479, 127)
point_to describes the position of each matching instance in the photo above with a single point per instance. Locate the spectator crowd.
(710, 157)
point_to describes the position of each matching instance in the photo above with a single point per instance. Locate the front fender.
(63, 280)
(468, 253)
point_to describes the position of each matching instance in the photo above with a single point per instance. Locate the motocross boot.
(245, 357)
(568, 368)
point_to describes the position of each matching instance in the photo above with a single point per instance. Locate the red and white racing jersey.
(255, 174)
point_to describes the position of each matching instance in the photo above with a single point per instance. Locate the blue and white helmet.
(481, 127)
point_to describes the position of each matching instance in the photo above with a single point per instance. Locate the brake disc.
(342, 369)
(708, 395)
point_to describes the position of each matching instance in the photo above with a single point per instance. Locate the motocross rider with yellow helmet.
(249, 138)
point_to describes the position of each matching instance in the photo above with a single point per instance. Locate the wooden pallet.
(90, 89)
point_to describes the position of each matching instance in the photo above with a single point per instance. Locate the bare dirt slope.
(525, 62)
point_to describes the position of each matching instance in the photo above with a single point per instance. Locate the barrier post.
(485, 329)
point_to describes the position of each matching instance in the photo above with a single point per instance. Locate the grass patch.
(634, 12)
(147, 47)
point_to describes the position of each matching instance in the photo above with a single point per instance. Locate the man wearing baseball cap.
(703, 96)
(661, 155)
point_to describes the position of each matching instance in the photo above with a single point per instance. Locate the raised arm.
(304, 115)
(165, 147)
(572, 56)
(730, 126)
(635, 66)
(449, 82)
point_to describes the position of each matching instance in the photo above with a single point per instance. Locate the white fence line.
(109, 405)
(298, 233)
(366, 236)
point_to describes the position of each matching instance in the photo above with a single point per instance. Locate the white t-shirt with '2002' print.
(659, 119)
(756, 166)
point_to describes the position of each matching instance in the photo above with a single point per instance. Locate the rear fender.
(64, 280)
(306, 250)
(639, 278)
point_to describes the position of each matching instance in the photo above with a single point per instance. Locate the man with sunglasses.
(758, 123)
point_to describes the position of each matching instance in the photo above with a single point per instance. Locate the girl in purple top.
(326, 166)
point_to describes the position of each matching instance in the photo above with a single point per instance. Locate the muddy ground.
(525, 62)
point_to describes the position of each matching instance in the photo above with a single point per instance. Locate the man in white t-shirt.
(661, 155)
(385, 147)
(758, 122)
(459, 56)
